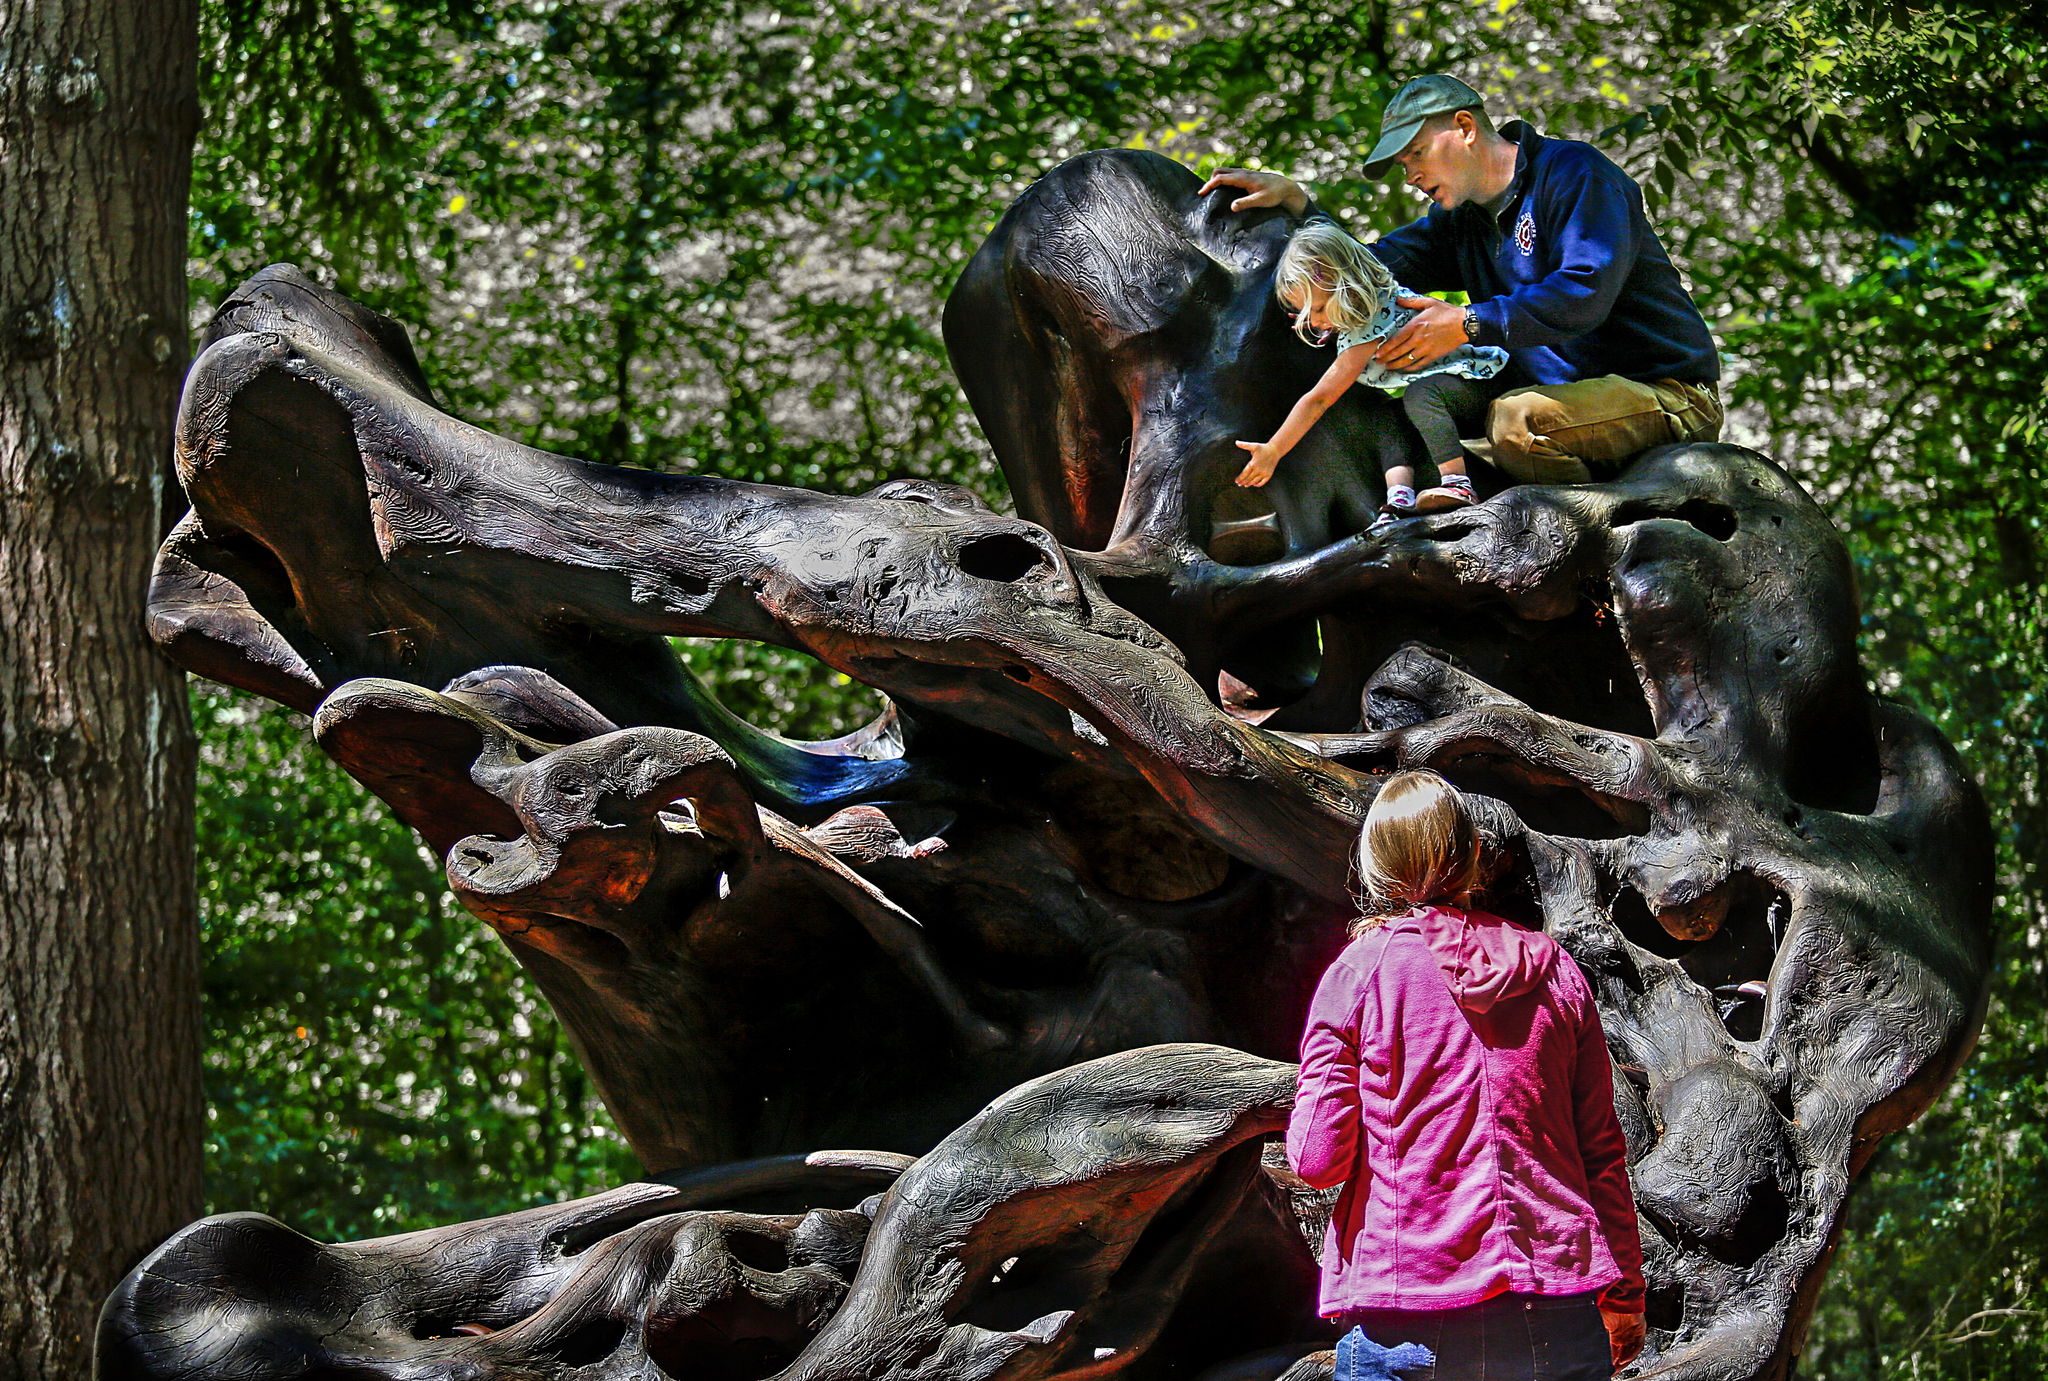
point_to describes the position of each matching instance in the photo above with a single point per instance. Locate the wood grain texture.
(1111, 809)
(1079, 1187)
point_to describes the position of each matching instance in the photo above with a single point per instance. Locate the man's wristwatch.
(1471, 324)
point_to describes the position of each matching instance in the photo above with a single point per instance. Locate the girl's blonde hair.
(1323, 255)
(1418, 845)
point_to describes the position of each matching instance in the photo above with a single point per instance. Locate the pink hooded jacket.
(1455, 1080)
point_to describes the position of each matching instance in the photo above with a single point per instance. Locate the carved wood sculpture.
(1060, 873)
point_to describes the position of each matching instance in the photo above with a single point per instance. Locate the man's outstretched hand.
(1436, 329)
(1260, 189)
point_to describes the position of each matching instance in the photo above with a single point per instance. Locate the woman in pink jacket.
(1455, 1081)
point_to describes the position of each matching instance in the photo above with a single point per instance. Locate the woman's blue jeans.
(1506, 1338)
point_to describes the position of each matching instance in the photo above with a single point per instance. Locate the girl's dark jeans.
(1446, 407)
(1506, 1338)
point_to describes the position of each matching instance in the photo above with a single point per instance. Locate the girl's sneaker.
(1390, 514)
(1455, 491)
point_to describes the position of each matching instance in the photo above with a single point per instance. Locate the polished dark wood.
(1091, 861)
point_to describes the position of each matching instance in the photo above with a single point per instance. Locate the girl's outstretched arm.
(1342, 373)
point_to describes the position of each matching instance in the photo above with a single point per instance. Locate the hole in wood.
(1714, 519)
(589, 1343)
(762, 1253)
(1004, 557)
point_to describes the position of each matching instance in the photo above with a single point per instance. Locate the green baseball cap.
(1412, 104)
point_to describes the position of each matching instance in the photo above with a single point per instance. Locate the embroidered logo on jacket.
(1525, 233)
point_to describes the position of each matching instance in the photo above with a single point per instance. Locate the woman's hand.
(1265, 459)
(1624, 1335)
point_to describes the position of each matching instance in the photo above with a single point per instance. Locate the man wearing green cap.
(1548, 239)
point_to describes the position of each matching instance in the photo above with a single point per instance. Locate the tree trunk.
(100, 1105)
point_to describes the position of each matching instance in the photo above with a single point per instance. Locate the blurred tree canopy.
(715, 236)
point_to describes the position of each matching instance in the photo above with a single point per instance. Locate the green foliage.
(1892, 328)
(375, 1062)
(715, 237)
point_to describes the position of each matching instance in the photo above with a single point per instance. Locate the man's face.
(1443, 160)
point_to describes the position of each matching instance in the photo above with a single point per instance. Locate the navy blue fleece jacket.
(1570, 277)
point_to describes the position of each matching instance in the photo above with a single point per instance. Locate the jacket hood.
(1484, 958)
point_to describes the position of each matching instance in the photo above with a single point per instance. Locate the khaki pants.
(1577, 432)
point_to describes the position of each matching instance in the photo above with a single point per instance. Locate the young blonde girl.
(1336, 286)
(1455, 1081)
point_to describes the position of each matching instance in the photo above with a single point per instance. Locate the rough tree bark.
(100, 1105)
(1081, 851)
